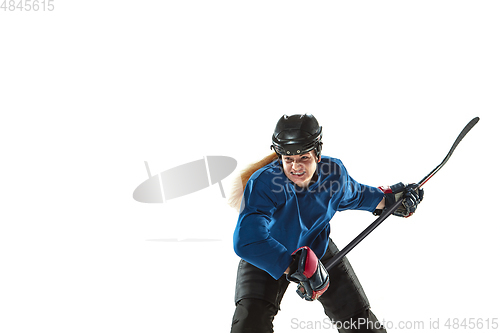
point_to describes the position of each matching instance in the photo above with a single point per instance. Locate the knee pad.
(255, 283)
(253, 315)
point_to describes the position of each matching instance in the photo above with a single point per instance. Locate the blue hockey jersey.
(278, 217)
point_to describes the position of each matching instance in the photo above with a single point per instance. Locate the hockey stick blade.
(462, 134)
(387, 212)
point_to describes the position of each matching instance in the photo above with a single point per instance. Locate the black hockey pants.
(258, 297)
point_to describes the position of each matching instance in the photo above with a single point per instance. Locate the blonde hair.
(241, 181)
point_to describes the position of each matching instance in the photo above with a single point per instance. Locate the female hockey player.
(286, 203)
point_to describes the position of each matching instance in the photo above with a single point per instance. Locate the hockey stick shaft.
(387, 212)
(340, 255)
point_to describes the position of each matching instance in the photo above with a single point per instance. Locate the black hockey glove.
(412, 196)
(309, 273)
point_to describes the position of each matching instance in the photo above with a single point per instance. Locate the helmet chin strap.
(315, 176)
(274, 148)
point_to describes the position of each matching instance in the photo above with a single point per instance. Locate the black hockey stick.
(338, 257)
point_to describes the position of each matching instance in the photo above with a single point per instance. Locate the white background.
(91, 90)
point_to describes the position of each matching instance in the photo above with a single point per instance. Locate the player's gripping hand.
(309, 273)
(412, 196)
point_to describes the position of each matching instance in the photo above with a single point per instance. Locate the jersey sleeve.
(252, 239)
(357, 196)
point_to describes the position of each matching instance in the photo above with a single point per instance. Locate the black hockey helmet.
(297, 134)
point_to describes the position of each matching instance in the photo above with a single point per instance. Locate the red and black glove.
(309, 273)
(412, 196)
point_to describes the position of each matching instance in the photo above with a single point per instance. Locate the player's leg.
(253, 315)
(257, 297)
(345, 301)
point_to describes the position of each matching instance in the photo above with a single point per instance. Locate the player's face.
(300, 168)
